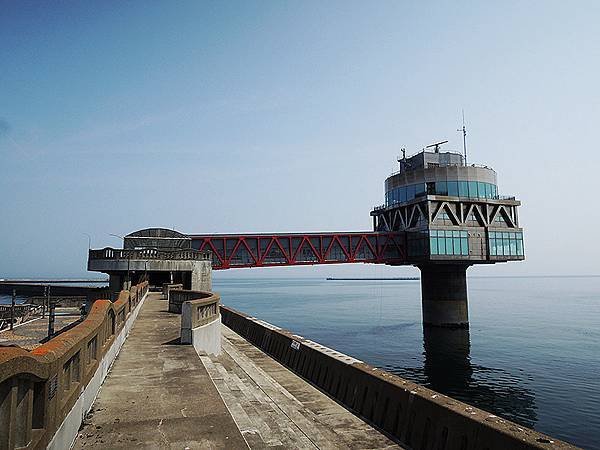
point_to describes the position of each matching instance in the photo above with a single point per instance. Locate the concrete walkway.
(158, 394)
(162, 395)
(274, 408)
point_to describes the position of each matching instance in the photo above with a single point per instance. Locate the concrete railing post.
(8, 408)
(24, 412)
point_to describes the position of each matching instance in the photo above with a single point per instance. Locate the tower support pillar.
(444, 295)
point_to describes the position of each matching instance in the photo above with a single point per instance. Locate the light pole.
(117, 236)
(89, 240)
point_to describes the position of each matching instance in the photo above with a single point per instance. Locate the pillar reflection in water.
(448, 369)
(447, 364)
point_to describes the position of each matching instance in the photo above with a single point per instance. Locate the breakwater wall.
(31, 289)
(411, 414)
(45, 393)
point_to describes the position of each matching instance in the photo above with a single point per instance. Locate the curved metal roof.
(160, 238)
(161, 233)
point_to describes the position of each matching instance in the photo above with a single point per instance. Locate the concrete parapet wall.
(412, 414)
(168, 287)
(176, 298)
(201, 322)
(45, 393)
(206, 339)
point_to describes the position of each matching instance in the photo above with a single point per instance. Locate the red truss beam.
(268, 250)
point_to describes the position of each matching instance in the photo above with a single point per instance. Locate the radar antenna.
(436, 146)
(464, 133)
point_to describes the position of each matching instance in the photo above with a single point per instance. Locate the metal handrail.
(497, 197)
(433, 165)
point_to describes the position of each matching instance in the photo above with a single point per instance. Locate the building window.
(470, 189)
(473, 189)
(443, 218)
(464, 243)
(448, 242)
(404, 193)
(453, 188)
(499, 219)
(502, 243)
(488, 190)
(481, 189)
(472, 220)
(441, 188)
(433, 245)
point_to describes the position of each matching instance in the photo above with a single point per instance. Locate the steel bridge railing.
(268, 250)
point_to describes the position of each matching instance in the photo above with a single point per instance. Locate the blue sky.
(287, 116)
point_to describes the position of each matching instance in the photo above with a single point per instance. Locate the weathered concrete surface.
(444, 295)
(202, 276)
(158, 394)
(273, 407)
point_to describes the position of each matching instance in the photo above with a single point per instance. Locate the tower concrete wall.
(444, 295)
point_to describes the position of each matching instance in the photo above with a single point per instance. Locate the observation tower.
(453, 217)
(440, 215)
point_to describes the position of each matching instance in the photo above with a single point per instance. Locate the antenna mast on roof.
(436, 146)
(402, 160)
(464, 133)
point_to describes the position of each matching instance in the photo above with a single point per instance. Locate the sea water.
(531, 355)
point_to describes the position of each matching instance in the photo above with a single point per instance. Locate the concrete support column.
(115, 282)
(444, 295)
(201, 276)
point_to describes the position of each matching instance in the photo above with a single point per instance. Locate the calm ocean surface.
(532, 354)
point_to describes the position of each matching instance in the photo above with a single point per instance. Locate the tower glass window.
(449, 242)
(441, 188)
(467, 189)
(453, 188)
(505, 243)
(481, 189)
(473, 189)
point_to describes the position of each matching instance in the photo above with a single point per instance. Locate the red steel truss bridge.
(294, 249)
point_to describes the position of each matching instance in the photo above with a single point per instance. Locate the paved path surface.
(158, 394)
(274, 408)
(162, 395)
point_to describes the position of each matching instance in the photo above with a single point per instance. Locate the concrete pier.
(444, 295)
(122, 379)
(160, 394)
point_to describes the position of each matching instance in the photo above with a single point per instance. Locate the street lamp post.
(89, 240)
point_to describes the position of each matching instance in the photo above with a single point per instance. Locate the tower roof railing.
(433, 165)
